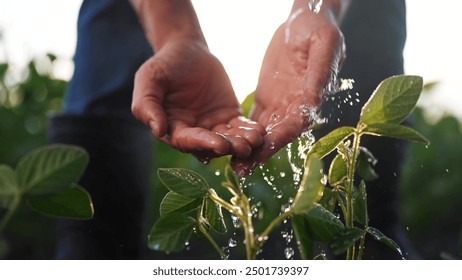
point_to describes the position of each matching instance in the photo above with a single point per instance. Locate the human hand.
(299, 67)
(184, 95)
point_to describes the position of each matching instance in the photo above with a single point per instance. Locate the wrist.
(164, 21)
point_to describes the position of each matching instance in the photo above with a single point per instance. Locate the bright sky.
(238, 32)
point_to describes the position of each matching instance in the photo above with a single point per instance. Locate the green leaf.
(311, 187)
(247, 104)
(337, 171)
(8, 186)
(395, 131)
(74, 203)
(171, 232)
(345, 239)
(392, 101)
(49, 169)
(214, 216)
(174, 202)
(327, 144)
(304, 242)
(378, 235)
(360, 204)
(364, 163)
(184, 182)
(322, 224)
(328, 200)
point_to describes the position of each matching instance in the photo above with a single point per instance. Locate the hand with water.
(183, 92)
(299, 67)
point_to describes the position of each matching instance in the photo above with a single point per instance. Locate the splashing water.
(315, 6)
(232, 243)
(289, 252)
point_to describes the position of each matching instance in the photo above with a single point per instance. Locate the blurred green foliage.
(24, 106)
(431, 188)
(25, 103)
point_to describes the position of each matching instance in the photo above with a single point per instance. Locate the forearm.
(164, 20)
(337, 8)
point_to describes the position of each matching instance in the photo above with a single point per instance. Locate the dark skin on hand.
(185, 96)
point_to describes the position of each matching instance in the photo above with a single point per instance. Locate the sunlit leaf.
(337, 171)
(214, 216)
(345, 239)
(171, 232)
(360, 204)
(378, 235)
(174, 202)
(184, 182)
(327, 144)
(365, 162)
(322, 224)
(395, 131)
(304, 242)
(49, 169)
(8, 186)
(393, 100)
(73, 203)
(247, 104)
(311, 187)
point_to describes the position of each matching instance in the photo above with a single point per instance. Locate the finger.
(251, 131)
(197, 139)
(148, 95)
(290, 127)
(240, 148)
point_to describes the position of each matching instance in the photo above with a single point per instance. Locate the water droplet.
(282, 174)
(217, 173)
(289, 252)
(236, 222)
(232, 243)
(279, 194)
(447, 170)
(285, 208)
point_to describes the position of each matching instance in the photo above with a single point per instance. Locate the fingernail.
(153, 126)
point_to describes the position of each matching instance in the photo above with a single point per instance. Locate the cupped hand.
(184, 95)
(299, 67)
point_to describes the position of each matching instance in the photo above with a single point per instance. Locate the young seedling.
(192, 203)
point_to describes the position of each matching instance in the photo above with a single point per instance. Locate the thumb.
(148, 96)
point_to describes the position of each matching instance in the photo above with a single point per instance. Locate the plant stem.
(5, 219)
(250, 245)
(349, 187)
(273, 224)
(361, 246)
(211, 240)
(218, 200)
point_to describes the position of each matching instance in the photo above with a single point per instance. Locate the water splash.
(232, 243)
(289, 252)
(315, 6)
(236, 222)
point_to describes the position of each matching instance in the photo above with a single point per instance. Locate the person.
(150, 59)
